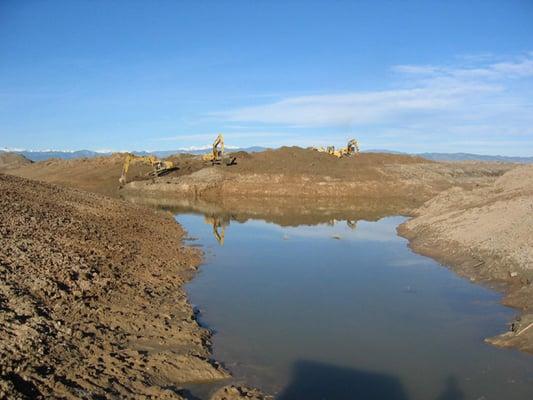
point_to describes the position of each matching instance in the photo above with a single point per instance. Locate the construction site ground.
(86, 278)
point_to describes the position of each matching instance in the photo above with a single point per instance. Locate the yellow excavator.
(216, 156)
(160, 167)
(352, 148)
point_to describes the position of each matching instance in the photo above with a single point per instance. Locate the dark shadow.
(313, 380)
(452, 390)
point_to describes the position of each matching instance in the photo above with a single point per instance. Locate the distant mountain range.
(474, 157)
(37, 155)
(461, 157)
(47, 154)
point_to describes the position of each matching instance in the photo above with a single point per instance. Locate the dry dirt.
(485, 234)
(92, 298)
(306, 174)
(9, 161)
(284, 172)
(98, 174)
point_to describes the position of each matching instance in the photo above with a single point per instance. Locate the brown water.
(337, 311)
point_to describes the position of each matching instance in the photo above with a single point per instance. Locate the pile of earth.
(91, 298)
(98, 174)
(9, 161)
(298, 161)
(284, 172)
(305, 174)
(485, 234)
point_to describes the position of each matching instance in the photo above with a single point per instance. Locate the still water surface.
(338, 311)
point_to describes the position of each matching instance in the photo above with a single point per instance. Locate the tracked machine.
(160, 167)
(351, 149)
(217, 155)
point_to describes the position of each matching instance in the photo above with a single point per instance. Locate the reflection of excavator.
(351, 224)
(352, 148)
(161, 167)
(216, 156)
(219, 227)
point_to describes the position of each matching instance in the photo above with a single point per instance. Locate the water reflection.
(303, 316)
(219, 223)
(281, 211)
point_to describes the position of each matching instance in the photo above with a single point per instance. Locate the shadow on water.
(314, 380)
(452, 390)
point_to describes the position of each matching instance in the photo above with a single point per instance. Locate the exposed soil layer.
(283, 211)
(99, 174)
(91, 298)
(303, 173)
(287, 172)
(10, 161)
(485, 234)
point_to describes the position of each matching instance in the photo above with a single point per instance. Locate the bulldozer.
(352, 148)
(216, 156)
(160, 167)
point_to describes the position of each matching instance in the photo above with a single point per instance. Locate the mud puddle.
(345, 310)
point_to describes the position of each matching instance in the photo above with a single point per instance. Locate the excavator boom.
(160, 167)
(216, 156)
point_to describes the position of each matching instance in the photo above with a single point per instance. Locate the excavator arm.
(216, 156)
(159, 167)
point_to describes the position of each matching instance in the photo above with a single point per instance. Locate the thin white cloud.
(425, 100)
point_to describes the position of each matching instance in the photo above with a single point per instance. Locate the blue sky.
(402, 75)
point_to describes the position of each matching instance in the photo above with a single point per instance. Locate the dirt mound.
(485, 234)
(288, 171)
(98, 174)
(10, 160)
(91, 298)
(296, 160)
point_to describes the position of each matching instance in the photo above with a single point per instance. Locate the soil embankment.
(301, 174)
(98, 174)
(288, 172)
(485, 234)
(92, 298)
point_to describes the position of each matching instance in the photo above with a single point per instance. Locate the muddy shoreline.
(485, 235)
(92, 298)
